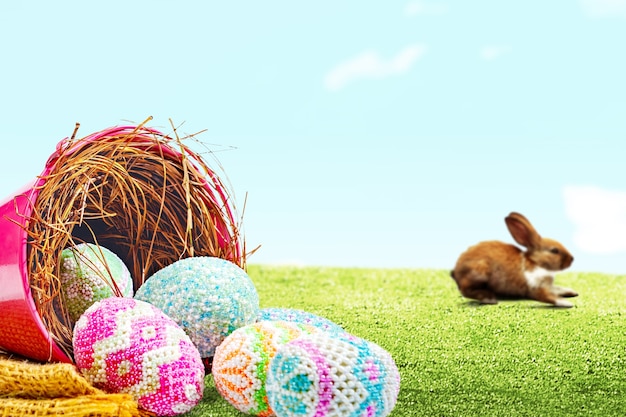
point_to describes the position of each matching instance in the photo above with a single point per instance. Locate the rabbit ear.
(522, 230)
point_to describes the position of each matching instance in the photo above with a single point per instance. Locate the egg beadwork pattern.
(332, 375)
(122, 345)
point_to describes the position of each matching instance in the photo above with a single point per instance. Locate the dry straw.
(142, 194)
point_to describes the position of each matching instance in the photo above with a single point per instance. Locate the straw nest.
(142, 194)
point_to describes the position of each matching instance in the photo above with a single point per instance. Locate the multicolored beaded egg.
(208, 297)
(298, 316)
(90, 273)
(122, 345)
(241, 362)
(329, 374)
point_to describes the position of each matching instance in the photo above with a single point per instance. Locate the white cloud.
(604, 8)
(370, 65)
(599, 216)
(491, 52)
(419, 7)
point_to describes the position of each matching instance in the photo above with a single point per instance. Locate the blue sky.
(374, 134)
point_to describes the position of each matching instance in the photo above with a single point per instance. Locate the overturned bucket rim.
(32, 319)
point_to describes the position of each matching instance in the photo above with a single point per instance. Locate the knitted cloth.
(30, 389)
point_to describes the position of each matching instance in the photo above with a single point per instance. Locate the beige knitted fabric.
(31, 389)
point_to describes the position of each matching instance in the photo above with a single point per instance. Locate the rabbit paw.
(565, 292)
(563, 304)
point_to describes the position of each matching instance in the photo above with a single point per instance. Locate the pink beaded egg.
(122, 345)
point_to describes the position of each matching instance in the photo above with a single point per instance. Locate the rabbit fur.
(492, 269)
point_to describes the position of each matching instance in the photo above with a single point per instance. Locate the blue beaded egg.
(298, 316)
(330, 374)
(208, 297)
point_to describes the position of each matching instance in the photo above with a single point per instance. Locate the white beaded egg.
(332, 375)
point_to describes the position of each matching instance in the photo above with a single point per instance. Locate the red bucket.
(22, 329)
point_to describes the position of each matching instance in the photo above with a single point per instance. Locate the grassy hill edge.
(517, 358)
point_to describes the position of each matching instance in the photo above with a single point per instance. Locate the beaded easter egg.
(123, 345)
(241, 362)
(208, 297)
(89, 273)
(327, 374)
(298, 316)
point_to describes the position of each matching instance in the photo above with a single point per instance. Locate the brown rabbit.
(493, 269)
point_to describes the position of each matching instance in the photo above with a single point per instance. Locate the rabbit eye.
(555, 251)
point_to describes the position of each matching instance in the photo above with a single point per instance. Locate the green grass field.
(517, 358)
